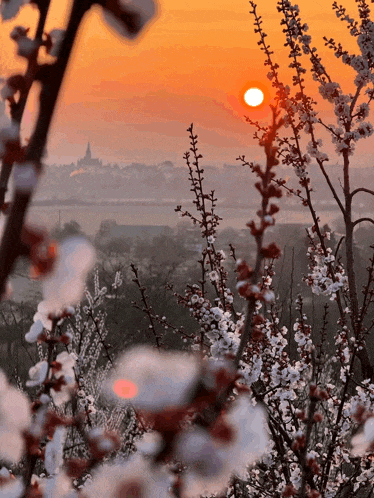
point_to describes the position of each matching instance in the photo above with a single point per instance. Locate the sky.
(134, 100)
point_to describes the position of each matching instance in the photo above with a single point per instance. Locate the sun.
(254, 97)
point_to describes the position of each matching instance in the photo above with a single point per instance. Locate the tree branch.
(360, 220)
(362, 189)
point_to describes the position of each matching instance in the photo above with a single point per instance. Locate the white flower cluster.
(321, 280)
(282, 376)
(313, 151)
(64, 371)
(221, 331)
(342, 108)
(302, 336)
(329, 90)
(216, 324)
(308, 118)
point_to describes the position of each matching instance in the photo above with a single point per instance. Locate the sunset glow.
(125, 389)
(182, 70)
(254, 97)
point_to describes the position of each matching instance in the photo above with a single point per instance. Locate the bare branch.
(360, 220)
(362, 189)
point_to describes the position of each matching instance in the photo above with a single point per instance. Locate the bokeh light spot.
(125, 388)
(254, 97)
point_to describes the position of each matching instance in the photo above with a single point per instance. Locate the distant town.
(90, 191)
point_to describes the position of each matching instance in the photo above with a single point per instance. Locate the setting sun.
(254, 97)
(125, 388)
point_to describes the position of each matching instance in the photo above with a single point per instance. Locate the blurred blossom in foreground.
(153, 380)
(135, 478)
(10, 8)
(65, 285)
(55, 486)
(363, 441)
(11, 488)
(213, 459)
(14, 419)
(250, 435)
(128, 17)
(54, 457)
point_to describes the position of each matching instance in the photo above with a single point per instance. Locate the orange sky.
(134, 101)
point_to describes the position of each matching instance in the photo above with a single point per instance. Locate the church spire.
(88, 160)
(88, 151)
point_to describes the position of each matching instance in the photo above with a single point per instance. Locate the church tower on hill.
(88, 160)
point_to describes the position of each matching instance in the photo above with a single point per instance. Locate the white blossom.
(54, 451)
(361, 442)
(57, 486)
(153, 380)
(65, 285)
(35, 331)
(14, 488)
(211, 461)
(14, 419)
(135, 477)
(67, 362)
(37, 374)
